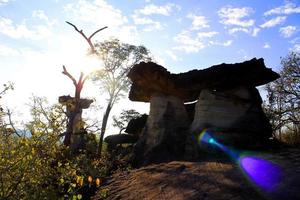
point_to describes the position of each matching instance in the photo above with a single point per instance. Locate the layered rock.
(165, 132)
(150, 78)
(228, 104)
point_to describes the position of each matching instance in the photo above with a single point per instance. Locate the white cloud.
(296, 48)
(198, 21)
(225, 44)
(238, 29)
(159, 10)
(252, 31)
(172, 55)
(40, 14)
(97, 12)
(235, 16)
(187, 43)
(287, 31)
(149, 24)
(255, 32)
(207, 34)
(141, 16)
(7, 51)
(288, 8)
(3, 2)
(266, 46)
(17, 31)
(273, 22)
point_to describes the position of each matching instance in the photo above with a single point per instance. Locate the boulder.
(234, 117)
(136, 125)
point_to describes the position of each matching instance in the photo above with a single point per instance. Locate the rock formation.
(228, 104)
(75, 128)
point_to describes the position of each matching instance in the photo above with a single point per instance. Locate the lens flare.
(262, 173)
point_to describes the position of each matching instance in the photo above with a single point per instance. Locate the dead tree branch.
(65, 72)
(88, 39)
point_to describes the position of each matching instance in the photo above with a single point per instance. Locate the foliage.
(283, 103)
(125, 116)
(118, 58)
(6, 87)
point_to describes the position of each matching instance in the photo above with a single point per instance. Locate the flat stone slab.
(151, 78)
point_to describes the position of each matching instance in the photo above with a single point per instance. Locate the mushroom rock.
(228, 104)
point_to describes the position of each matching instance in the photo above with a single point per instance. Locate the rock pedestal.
(164, 135)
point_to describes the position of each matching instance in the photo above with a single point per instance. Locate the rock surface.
(164, 135)
(206, 180)
(234, 116)
(150, 78)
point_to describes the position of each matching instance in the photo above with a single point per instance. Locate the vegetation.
(283, 100)
(123, 119)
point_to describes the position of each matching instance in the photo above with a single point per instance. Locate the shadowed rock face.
(150, 78)
(228, 104)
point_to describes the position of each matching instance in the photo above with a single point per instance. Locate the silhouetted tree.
(283, 102)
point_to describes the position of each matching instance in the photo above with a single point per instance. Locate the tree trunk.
(103, 127)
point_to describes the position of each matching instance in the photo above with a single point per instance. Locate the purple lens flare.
(263, 173)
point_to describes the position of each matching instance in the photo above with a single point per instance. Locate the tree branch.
(65, 72)
(88, 39)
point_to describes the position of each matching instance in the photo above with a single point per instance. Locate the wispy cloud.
(287, 31)
(97, 12)
(17, 31)
(288, 8)
(172, 55)
(207, 34)
(198, 21)
(238, 19)
(236, 16)
(143, 16)
(266, 46)
(225, 44)
(7, 51)
(3, 2)
(187, 43)
(296, 48)
(149, 24)
(165, 10)
(273, 22)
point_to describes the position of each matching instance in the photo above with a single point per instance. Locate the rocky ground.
(213, 179)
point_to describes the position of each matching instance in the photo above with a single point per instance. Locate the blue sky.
(35, 41)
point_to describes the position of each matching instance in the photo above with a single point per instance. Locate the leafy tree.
(125, 116)
(283, 103)
(118, 58)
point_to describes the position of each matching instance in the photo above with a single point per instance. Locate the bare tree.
(74, 135)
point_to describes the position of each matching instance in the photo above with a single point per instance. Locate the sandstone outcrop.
(228, 104)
